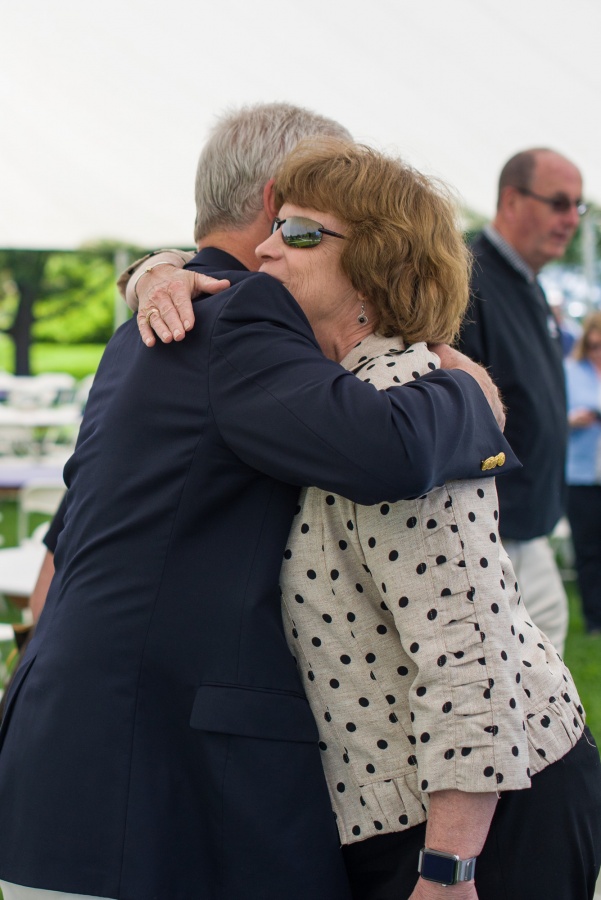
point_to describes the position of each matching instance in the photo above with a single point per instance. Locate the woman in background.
(583, 475)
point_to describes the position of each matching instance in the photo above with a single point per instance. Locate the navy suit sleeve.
(288, 411)
(56, 526)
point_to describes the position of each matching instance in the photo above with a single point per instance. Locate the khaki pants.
(541, 587)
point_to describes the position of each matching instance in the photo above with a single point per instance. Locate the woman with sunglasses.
(584, 466)
(451, 732)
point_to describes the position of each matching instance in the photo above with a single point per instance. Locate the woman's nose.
(270, 247)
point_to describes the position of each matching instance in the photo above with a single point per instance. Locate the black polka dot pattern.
(405, 620)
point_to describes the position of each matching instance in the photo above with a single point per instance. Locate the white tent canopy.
(105, 106)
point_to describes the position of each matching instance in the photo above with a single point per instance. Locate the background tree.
(573, 255)
(23, 274)
(63, 297)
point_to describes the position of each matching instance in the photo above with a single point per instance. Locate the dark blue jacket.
(157, 743)
(510, 329)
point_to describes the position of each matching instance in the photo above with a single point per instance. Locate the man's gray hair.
(242, 153)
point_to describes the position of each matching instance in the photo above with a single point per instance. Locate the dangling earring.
(362, 318)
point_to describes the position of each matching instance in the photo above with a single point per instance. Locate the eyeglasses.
(559, 204)
(300, 232)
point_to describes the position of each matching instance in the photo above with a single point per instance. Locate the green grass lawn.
(78, 360)
(583, 657)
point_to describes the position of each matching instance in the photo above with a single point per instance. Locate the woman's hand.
(428, 890)
(160, 291)
(165, 301)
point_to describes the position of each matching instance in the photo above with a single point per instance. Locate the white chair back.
(37, 497)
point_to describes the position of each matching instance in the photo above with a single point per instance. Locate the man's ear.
(510, 200)
(269, 206)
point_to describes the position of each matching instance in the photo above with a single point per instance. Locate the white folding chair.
(40, 391)
(82, 392)
(37, 497)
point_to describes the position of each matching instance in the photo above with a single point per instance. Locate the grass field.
(583, 657)
(77, 359)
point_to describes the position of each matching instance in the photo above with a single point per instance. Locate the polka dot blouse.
(421, 664)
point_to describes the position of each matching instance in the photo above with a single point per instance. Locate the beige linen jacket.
(421, 664)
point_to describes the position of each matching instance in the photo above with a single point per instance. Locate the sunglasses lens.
(300, 232)
(564, 204)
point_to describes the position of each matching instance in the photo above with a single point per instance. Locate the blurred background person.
(510, 328)
(583, 374)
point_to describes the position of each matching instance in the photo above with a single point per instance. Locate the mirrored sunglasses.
(300, 232)
(559, 204)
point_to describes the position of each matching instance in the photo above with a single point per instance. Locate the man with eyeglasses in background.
(510, 329)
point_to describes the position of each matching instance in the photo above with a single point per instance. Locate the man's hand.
(582, 418)
(165, 301)
(42, 585)
(453, 359)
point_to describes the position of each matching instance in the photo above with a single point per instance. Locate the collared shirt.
(421, 664)
(509, 253)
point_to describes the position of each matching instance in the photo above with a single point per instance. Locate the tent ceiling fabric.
(105, 106)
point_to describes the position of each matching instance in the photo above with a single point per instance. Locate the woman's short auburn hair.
(403, 251)
(591, 323)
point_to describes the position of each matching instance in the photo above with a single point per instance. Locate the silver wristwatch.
(445, 868)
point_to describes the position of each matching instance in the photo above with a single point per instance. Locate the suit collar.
(212, 258)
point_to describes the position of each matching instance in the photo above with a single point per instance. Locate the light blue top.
(584, 444)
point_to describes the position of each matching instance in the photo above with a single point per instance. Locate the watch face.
(438, 868)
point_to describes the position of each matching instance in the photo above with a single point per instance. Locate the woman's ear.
(269, 206)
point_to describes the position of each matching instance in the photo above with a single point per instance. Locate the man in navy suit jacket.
(157, 742)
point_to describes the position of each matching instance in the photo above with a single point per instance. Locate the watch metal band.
(466, 868)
